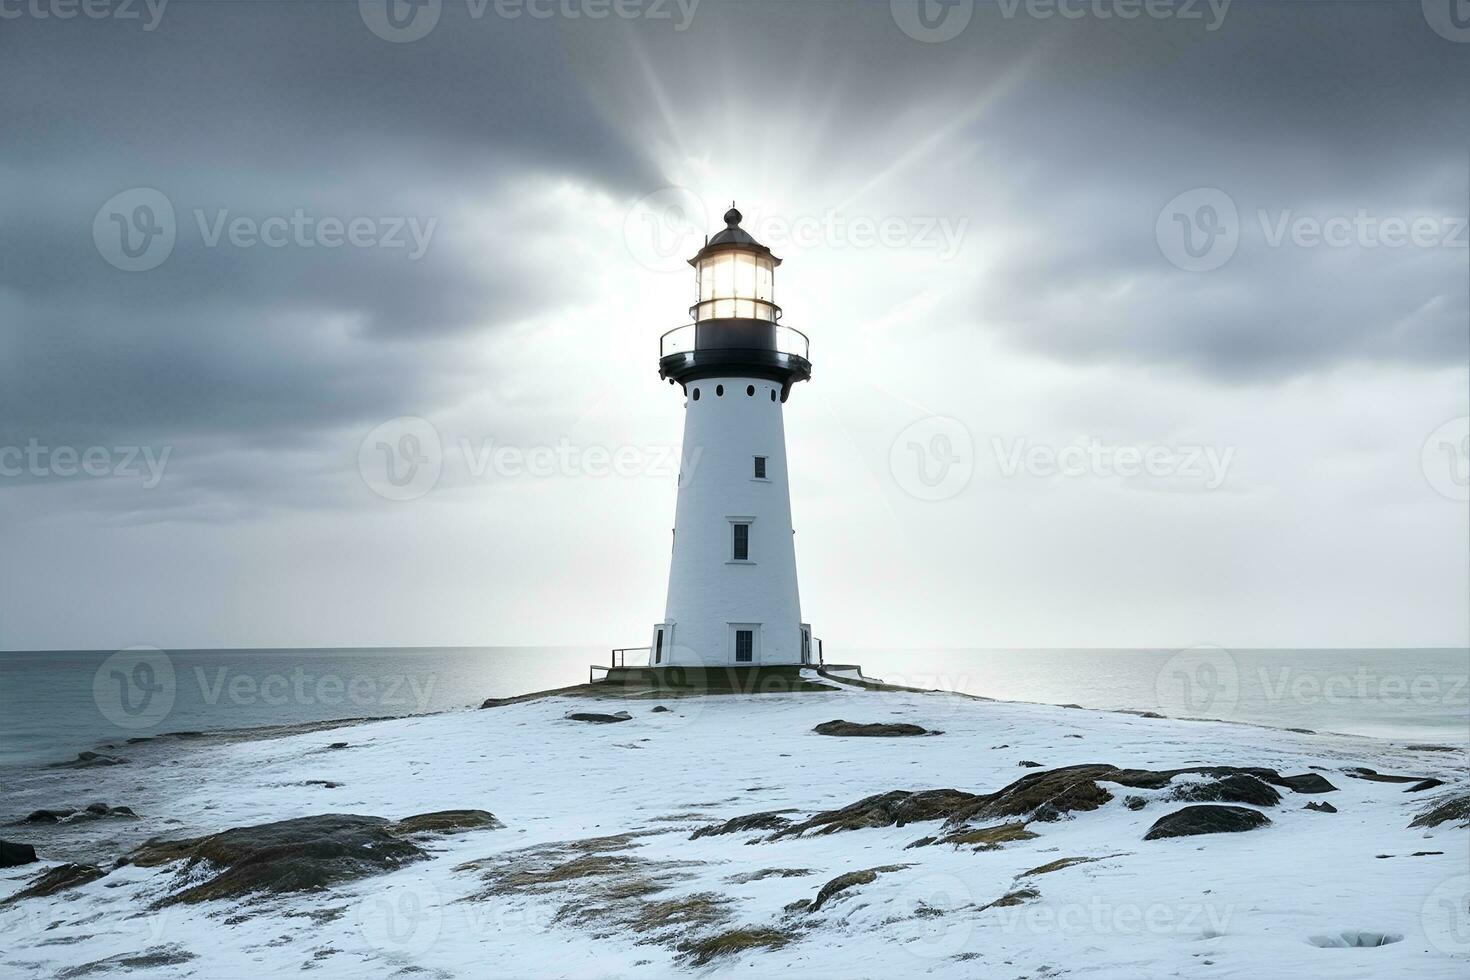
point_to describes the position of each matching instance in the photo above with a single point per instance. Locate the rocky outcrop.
(599, 719)
(850, 880)
(895, 808)
(1235, 788)
(1321, 807)
(853, 729)
(1456, 808)
(1206, 818)
(304, 854)
(447, 822)
(57, 879)
(90, 760)
(13, 854)
(768, 820)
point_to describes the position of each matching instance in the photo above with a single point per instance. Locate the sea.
(54, 704)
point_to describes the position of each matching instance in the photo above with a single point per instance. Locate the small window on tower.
(740, 542)
(760, 467)
(744, 646)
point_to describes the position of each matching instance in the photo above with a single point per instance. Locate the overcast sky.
(1126, 331)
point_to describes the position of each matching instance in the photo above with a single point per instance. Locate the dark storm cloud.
(261, 109)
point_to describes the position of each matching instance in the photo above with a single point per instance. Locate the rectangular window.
(740, 543)
(744, 646)
(760, 467)
(658, 646)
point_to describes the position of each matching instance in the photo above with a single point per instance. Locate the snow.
(1228, 905)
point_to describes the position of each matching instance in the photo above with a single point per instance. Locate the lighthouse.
(732, 599)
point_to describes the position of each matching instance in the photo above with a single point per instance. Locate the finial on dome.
(732, 216)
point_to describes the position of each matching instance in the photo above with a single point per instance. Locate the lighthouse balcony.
(741, 348)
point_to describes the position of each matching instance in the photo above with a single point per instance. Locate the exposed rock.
(150, 959)
(447, 822)
(853, 729)
(1028, 764)
(1307, 782)
(337, 745)
(1135, 802)
(599, 719)
(496, 702)
(895, 808)
(658, 708)
(1361, 772)
(1012, 898)
(1206, 818)
(1042, 796)
(100, 810)
(921, 842)
(1322, 807)
(1434, 748)
(1424, 784)
(988, 838)
(14, 854)
(1061, 863)
(702, 951)
(769, 820)
(1235, 788)
(850, 880)
(1063, 790)
(57, 879)
(1455, 808)
(89, 760)
(303, 854)
(764, 873)
(45, 816)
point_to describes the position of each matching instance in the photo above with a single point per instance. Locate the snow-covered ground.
(489, 902)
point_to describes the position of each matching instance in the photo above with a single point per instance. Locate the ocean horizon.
(56, 703)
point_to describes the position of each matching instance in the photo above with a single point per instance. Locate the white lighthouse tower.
(732, 599)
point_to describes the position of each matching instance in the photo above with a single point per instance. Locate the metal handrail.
(680, 340)
(620, 655)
